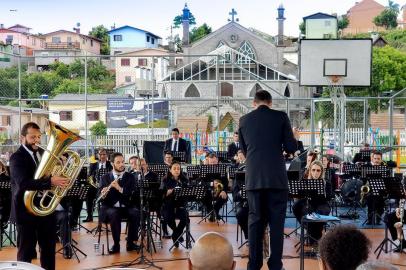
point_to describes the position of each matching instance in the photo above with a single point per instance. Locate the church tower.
(280, 19)
(185, 25)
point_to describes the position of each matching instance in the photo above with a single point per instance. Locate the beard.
(31, 147)
(119, 169)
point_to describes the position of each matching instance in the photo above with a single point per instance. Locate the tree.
(177, 21)
(388, 17)
(343, 22)
(99, 129)
(101, 32)
(302, 28)
(199, 32)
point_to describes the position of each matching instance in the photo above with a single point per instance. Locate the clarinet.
(399, 225)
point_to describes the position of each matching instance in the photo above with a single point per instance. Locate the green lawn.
(163, 123)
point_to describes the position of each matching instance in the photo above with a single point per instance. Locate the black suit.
(29, 227)
(182, 147)
(94, 172)
(263, 134)
(111, 213)
(232, 150)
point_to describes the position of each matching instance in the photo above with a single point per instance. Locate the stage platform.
(177, 258)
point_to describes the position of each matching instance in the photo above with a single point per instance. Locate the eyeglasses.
(316, 170)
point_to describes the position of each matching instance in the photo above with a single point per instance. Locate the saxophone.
(399, 225)
(365, 189)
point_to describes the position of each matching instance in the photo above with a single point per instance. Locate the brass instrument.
(91, 182)
(59, 140)
(399, 225)
(365, 189)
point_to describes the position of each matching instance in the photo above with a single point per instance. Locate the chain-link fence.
(113, 101)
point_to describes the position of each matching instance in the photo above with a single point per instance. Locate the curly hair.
(345, 247)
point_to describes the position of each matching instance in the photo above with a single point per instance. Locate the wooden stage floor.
(177, 258)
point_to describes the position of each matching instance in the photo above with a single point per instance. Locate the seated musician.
(395, 226)
(96, 170)
(376, 204)
(168, 158)
(358, 156)
(318, 204)
(219, 199)
(172, 209)
(5, 198)
(241, 206)
(116, 188)
(240, 160)
(133, 160)
(311, 156)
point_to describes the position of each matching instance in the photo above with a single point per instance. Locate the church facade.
(230, 64)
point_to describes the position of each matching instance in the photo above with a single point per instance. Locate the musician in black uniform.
(31, 228)
(241, 206)
(376, 204)
(394, 218)
(329, 173)
(233, 148)
(175, 143)
(117, 188)
(217, 200)
(96, 170)
(5, 198)
(318, 204)
(172, 209)
(168, 158)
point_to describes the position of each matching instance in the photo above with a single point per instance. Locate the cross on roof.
(233, 13)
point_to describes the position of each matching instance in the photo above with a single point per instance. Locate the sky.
(156, 16)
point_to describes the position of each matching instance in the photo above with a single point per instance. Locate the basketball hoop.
(335, 79)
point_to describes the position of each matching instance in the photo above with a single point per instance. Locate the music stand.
(78, 191)
(377, 188)
(222, 155)
(376, 171)
(193, 172)
(395, 190)
(160, 169)
(5, 187)
(179, 156)
(365, 155)
(187, 194)
(351, 170)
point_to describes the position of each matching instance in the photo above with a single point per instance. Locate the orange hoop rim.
(335, 78)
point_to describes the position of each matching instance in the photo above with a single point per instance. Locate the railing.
(62, 45)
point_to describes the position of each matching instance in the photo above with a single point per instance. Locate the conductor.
(263, 133)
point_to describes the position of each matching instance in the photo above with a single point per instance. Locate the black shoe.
(212, 218)
(176, 244)
(88, 219)
(114, 249)
(181, 239)
(132, 246)
(166, 236)
(67, 252)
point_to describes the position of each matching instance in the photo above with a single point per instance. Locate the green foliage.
(343, 22)
(230, 126)
(302, 28)
(101, 32)
(177, 21)
(99, 129)
(209, 123)
(388, 17)
(199, 32)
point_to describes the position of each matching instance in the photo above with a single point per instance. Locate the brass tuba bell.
(59, 140)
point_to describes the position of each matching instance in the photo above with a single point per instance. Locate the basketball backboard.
(348, 60)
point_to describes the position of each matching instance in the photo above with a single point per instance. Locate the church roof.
(319, 15)
(225, 28)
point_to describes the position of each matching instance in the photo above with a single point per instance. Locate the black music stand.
(351, 170)
(77, 192)
(5, 187)
(222, 156)
(377, 171)
(395, 190)
(187, 194)
(193, 172)
(307, 188)
(365, 155)
(179, 156)
(209, 173)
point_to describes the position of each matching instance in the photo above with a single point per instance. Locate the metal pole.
(152, 95)
(86, 127)
(391, 126)
(312, 129)
(19, 95)
(343, 119)
(365, 124)
(218, 103)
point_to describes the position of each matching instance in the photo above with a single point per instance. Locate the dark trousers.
(91, 196)
(114, 215)
(241, 214)
(375, 204)
(170, 215)
(43, 230)
(62, 223)
(266, 206)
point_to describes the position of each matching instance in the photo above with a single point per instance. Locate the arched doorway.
(226, 89)
(287, 91)
(192, 91)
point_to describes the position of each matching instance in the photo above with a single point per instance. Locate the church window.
(248, 53)
(227, 55)
(192, 91)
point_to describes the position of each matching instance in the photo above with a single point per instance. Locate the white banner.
(137, 131)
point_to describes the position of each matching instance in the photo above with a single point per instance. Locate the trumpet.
(103, 195)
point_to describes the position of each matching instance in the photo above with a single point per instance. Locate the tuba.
(59, 140)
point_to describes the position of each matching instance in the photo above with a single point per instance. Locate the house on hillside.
(361, 17)
(321, 26)
(21, 39)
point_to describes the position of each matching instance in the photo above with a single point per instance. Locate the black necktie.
(35, 157)
(238, 145)
(101, 167)
(175, 146)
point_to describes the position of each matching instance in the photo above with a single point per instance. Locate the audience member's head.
(377, 265)
(211, 251)
(344, 247)
(262, 97)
